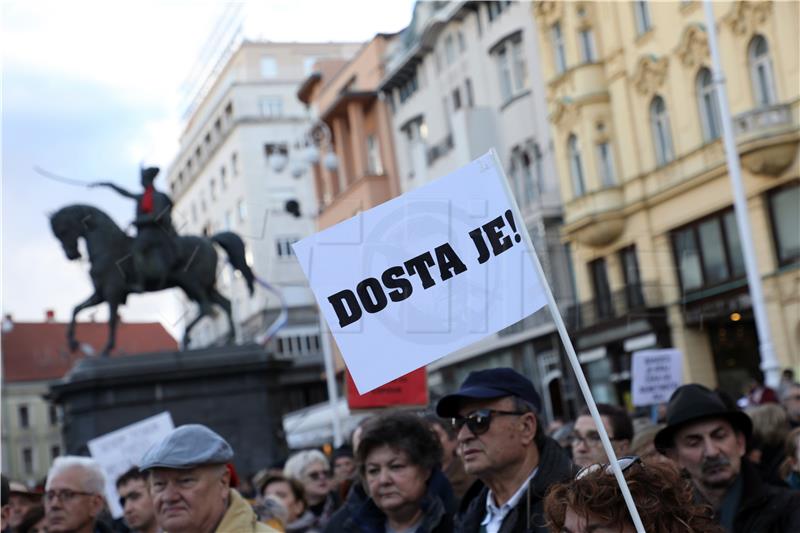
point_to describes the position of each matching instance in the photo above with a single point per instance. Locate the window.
(761, 72)
(641, 12)
(53, 414)
(449, 49)
(269, 67)
(785, 223)
(24, 419)
(512, 70)
(468, 89)
(271, 106)
(408, 88)
(495, 8)
(235, 164)
(602, 292)
(462, 45)
(212, 186)
(374, 163)
(707, 252)
(560, 56)
(630, 273)
(223, 178)
(284, 246)
(527, 177)
(228, 221)
(586, 38)
(709, 109)
(575, 167)
(27, 460)
(241, 210)
(55, 451)
(456, 99)
(605, 160)
(662, 138)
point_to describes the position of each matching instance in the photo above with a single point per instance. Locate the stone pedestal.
(240, 392)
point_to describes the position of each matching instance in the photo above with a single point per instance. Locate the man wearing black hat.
(190, 484)
(502, 442)
(708, 441)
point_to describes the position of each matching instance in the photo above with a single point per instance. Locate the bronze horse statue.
(109, 248)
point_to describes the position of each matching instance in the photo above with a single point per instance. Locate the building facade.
(235, 171)
(463, 78)
(35, 356)
(648, 200)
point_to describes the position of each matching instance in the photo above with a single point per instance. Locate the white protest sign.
(424, 274)
(656, 375)
(119, 450)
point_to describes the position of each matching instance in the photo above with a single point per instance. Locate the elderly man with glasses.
(502, 442)
(73, 497)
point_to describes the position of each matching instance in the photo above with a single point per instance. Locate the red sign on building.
(408, 390)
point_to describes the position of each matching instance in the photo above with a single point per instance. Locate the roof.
(36, 351)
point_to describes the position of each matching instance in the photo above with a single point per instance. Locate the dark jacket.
(360, 515)
(528, 515)
(765, 508)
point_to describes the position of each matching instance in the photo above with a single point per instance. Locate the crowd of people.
(483, 462)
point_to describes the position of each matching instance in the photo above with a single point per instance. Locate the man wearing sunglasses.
(707, 439)
(502, 442)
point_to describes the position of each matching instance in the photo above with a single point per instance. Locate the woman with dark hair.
(397, 458)
(594, 502)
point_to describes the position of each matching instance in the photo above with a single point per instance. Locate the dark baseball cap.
(489, 384)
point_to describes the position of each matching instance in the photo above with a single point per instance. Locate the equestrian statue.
(156, 259)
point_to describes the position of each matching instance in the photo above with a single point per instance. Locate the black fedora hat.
(694, 402)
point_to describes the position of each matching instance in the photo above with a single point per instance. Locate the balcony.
(580, 82)
(631, 302)
(596, 218)
(364, 193)
(767, 139)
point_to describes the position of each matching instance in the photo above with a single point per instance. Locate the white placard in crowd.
(424, 274)
(121, 449)
(656, 375)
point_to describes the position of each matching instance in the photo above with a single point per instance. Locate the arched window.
(662, 138)
(576, 166)
(707, 101)
(761, 72)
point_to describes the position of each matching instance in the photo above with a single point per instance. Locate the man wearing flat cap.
(501, 441)
(190, 485)
(707, 439)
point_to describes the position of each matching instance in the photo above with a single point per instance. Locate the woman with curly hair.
(594, 502)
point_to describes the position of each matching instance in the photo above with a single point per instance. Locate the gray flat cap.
(187, 447)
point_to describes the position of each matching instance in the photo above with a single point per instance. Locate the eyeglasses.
(591, 439)
(319, 474)
(480, 421)
(64, 495)
(624, 464)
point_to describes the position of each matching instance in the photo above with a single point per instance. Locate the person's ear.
(98, 503)
(529, 426)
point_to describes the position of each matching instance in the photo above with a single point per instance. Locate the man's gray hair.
(524, 406)
(296, 465)
(93, 481)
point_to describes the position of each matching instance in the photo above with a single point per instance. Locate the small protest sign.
(119, 450)
(424, 274)
(655, 375)
(408, 390)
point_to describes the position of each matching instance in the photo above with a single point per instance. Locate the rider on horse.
(155, 246)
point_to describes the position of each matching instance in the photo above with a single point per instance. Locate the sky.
(91, 90)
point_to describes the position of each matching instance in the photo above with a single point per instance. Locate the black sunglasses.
(624, 464)
(480, 421)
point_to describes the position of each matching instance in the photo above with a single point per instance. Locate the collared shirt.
(495, 515)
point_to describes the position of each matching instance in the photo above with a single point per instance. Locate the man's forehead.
(132, 484)
(469, 406)
(703, 427)
(177, 472)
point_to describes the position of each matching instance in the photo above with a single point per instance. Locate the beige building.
(237, 169)
(648, 200)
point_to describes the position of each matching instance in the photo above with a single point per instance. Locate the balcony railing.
(761, 119)
(440, 149)
(633, 301)
(767, 139)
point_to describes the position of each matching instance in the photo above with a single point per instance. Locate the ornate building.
(648, 200)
